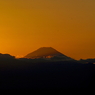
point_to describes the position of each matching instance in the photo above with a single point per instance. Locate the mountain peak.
(43, 52)
(46, 48)
(47, 52)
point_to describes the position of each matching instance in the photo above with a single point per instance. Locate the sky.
(66, 25)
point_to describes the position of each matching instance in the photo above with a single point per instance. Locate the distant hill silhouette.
(6, 56)
(87, 61)
(47, 52)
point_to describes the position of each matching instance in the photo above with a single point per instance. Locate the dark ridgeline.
(6, 56)
(42, 73)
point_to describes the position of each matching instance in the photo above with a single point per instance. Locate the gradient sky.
(66, 25)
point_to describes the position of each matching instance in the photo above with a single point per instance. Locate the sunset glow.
(66, 25)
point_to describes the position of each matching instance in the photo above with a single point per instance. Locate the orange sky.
(66, 25)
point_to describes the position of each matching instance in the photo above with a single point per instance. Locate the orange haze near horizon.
(66, 25)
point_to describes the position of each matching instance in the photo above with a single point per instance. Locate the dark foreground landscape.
(25, 73)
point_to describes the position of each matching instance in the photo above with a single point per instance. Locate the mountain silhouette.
(47, 52)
